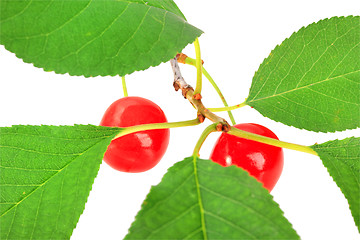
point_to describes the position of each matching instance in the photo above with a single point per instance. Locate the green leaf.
(46, 176)
(207, 201)
(312, 79)
(342, 160)
(94, 37)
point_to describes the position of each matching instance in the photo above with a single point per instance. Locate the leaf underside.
(94, 37)
(312, 80)
(208, 201)
(46, 176)
(342, 160)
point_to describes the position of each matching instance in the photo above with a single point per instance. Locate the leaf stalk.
(211, 128)
(152, 126)
(198, 65)
(124, 86)
(227, 108)
(271, 141)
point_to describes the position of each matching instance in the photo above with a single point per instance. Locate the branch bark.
(195, 100)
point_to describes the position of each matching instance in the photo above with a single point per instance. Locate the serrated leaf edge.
(275, 49)
(57, 172)
(110, 75)
(314, 147)
(198, 189)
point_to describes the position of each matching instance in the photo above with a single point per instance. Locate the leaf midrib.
(237, 202)
(303, 87)
(201, 207)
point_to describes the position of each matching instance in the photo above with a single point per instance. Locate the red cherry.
(139, 151)
(262, 161)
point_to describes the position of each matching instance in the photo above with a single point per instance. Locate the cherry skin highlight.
(262, 161)
(139, 151)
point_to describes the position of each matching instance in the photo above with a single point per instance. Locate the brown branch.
(179, 82)
(195, 100)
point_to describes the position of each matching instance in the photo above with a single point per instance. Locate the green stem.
(205, 133)
(217, 89)
(211, 128)
(198, 64)
(271, 141)
(152, 126)
(223, 109)
(124, 86)
(191, 61)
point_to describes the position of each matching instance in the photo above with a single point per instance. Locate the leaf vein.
(133, 34)
(37, 213)
(227, 222)
(304, 87)
(39, 152)
(190, 235)
(337, 99)
(172, 220)
(321, 55)
(30, 169)
(19, 13)
(229, 177)
(12, 223)
(237, 202)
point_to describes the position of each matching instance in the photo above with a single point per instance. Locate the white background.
(238, 36)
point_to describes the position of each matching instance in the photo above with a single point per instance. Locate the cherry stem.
(211, 128)
(204, 135)
(227, 108)
(192, 62)
(152, 126)
(217, 89)
(124, 86)
(198, 65)
(271, 141)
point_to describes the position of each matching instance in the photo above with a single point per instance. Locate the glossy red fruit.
(262, 161)
(139, 151)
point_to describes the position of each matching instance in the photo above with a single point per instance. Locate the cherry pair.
(141, 151)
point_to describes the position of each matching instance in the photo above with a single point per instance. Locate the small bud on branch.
(182, 57)
(195, 100)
